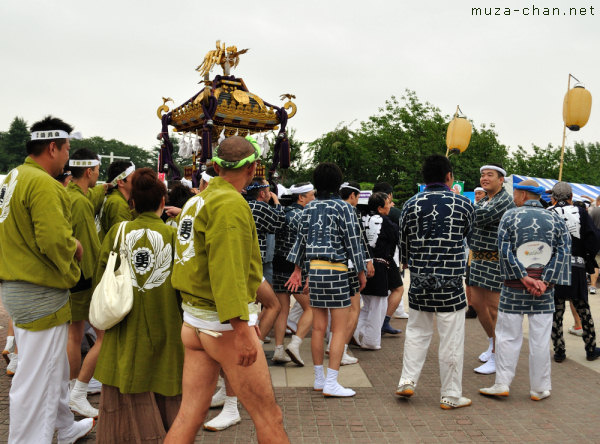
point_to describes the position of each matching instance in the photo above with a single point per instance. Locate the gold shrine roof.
(236, 108)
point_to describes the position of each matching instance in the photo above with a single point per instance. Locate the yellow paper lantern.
(577, 107)
(458, 135)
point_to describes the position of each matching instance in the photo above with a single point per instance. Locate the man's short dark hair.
(435, 169)
(178, 195)
(377, 200)
(327, 179)
(345, 193)
(116, 168)
(82, 153)
(37, 147)
(383, 187)
(254, 188)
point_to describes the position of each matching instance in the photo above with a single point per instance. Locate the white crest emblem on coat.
(372, 226)
(6, 192)
(185, 230)
(143, 260)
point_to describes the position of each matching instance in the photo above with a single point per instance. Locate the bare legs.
(271, 308)
(252, 384)
(485, 303)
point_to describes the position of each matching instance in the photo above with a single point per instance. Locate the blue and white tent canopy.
(579, 189)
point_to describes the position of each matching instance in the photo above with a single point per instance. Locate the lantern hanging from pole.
(458, 135)
(577, 107)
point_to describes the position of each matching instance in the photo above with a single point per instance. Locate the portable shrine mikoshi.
(224, 107)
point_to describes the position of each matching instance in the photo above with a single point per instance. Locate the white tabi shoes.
(489, 367)
(228, 417)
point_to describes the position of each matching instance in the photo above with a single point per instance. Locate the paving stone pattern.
(376, 415)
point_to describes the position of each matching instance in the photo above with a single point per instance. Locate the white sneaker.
(218, 399)
(94, 387)
(229, 416)
(576, 331)
(11, 368)
(82, 407)
(450, 402)
(267, 340)
(406, 389)
(280, 355)
(489, 367)
(78, 430)
(335, 390)
(495, 390)
(293, 351)
(400, 314)
(347, 359)
(485, 356)
(538, 396)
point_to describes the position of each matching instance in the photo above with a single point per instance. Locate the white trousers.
(39, 394)
(294, 316)
(509, 337)
(419, 330)
(370, 320)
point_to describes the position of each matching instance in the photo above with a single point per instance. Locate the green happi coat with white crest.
(36, 239)
(143, 352)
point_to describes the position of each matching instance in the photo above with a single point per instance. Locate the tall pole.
(562, 150)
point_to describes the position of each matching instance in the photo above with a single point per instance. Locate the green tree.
(12, 145)
(139, 156)
(579, 164)
(391, 146)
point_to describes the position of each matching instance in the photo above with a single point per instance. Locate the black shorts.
(394, 277)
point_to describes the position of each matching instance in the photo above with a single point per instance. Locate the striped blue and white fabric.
(579, 189)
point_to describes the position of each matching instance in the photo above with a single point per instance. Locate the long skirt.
(134, 417)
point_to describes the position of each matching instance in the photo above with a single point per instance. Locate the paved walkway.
(376, 415)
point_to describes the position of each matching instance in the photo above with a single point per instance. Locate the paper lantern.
(458, 135)
(577, 107)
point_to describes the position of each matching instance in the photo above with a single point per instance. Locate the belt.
(535, 273)
(381, 261)
(317, 264)
(485, 255)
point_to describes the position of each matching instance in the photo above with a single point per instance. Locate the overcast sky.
(104, 66)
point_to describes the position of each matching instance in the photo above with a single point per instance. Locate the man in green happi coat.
(85, 168)
(38, 264)
(218, 270)
(115, 208)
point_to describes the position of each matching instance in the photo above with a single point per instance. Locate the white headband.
(54, 134)
(493, 167)
(84, 163)
(123, 175)
(301, 189)
(185, 182)
(347, 185)
(479, 189)
(206, 177)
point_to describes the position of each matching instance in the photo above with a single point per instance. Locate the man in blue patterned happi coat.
(433, 228)
(534, 247)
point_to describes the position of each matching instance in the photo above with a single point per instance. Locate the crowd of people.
(216, 270)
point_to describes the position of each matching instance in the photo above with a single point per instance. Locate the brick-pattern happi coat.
(268, 219)
(329, 231)
(532, 223)
(484, 240)
(433, 228)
